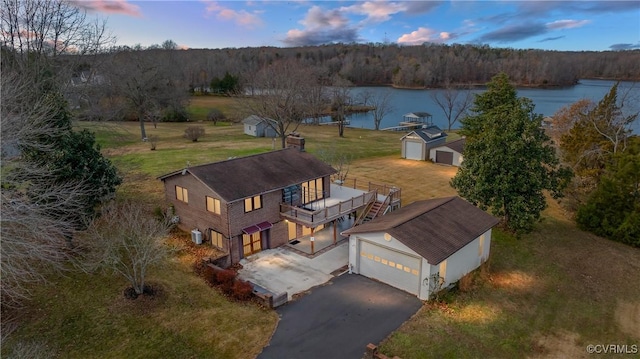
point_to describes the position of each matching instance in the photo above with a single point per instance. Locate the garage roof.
(435, 229)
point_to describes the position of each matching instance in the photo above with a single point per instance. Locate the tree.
(381, 107)
(280, 91)
(340, 103)
(613, 209)
(39, 210)
(508, 162)
(590, 136)
(454, 103)
(127, 240)
(215, 115)
(193, 133)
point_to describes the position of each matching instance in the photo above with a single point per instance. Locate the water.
(547, 101)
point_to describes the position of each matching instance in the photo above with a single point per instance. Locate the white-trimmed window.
(252, 203)
(213, 205)
(182, 194)
(217, 239)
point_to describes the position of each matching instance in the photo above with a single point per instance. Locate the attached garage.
(391, 266)
(429, 242)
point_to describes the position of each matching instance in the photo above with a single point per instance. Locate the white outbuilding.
(259, 127)
(423, 247)
(448, 154)
(416, 144)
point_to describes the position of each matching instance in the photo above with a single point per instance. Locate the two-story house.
(248, 204)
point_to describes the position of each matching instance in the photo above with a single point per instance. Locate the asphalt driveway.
(339, 319)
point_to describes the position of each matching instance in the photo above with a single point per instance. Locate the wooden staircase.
(373, 212)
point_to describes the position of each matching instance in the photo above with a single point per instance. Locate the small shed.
(423, 247)
(448, 154)
(416, 144)
(259, 126)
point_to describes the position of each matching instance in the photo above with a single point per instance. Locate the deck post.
(335, 231)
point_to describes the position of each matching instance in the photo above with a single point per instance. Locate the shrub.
(153, 141)
(194, 133)
(225, 279)
(242, 290)
(215, 115)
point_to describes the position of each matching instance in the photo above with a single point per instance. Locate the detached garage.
(422, 247)
(416, 144)
(449, 153)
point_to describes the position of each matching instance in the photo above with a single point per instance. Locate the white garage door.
(413, 150)
(389, 266)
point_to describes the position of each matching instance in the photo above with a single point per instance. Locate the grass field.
(546, 295)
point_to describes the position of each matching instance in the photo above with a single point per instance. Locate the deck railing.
(313, 218)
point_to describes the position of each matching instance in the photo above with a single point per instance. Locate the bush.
(242, 290)
(215, 115)
(225, 279)
(194, 133)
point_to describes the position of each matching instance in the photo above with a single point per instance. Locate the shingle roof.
(457, 145)
(253, 120)
(239, 178)
(429, 133)
(435, 229)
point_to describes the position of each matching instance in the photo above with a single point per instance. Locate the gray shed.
(416, 144)
(259, 126)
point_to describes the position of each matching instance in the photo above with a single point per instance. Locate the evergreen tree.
(613, 209)
(508, 161)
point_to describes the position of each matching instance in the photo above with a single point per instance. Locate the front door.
(251, 243)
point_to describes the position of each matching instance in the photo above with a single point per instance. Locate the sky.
(548, 25)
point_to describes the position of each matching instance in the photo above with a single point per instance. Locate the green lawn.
(548, 294)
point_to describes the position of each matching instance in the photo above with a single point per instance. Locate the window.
(252, 203)
(443, 270)
(312, 190)
(213, 205)
(182, 194)
(216, 239)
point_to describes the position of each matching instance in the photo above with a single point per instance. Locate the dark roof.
(244, 177)
(457, 145)
(429, 133)
(254, 120)
(435, 229)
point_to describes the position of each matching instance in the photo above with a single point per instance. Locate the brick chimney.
(295, 140)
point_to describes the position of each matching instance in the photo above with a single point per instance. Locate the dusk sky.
(550, 25)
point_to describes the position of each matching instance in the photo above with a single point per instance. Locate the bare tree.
(341, 161)
(454, 102)
(34, 243)
(381, 107)
(193, 133)
(340, 103)
(279, 95)
(128, 240)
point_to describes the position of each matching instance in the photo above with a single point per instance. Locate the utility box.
(196, 236)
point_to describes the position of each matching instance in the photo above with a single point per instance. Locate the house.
(259, 127)
(416, 144)
(244, 205)
(422, 247)
(449, 154)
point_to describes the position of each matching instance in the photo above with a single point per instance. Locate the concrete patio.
(323, 238)
(282, 270)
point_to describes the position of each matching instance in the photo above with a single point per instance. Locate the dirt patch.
(563, 344)
(153, 297)
(628, 318)
(515, 281)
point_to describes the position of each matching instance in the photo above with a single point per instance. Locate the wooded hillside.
(429, 65)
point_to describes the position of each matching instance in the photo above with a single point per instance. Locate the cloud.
(551, 38)
(381, 11)
(423, 35)
(242, 17)
(514, 33)
(322, 27)
(121, 7)
(566, 24)
(621, 47)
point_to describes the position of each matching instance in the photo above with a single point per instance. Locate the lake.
(547, 101)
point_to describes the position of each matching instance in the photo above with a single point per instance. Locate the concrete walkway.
(281, 270)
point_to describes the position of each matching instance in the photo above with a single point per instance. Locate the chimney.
(296, 141)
